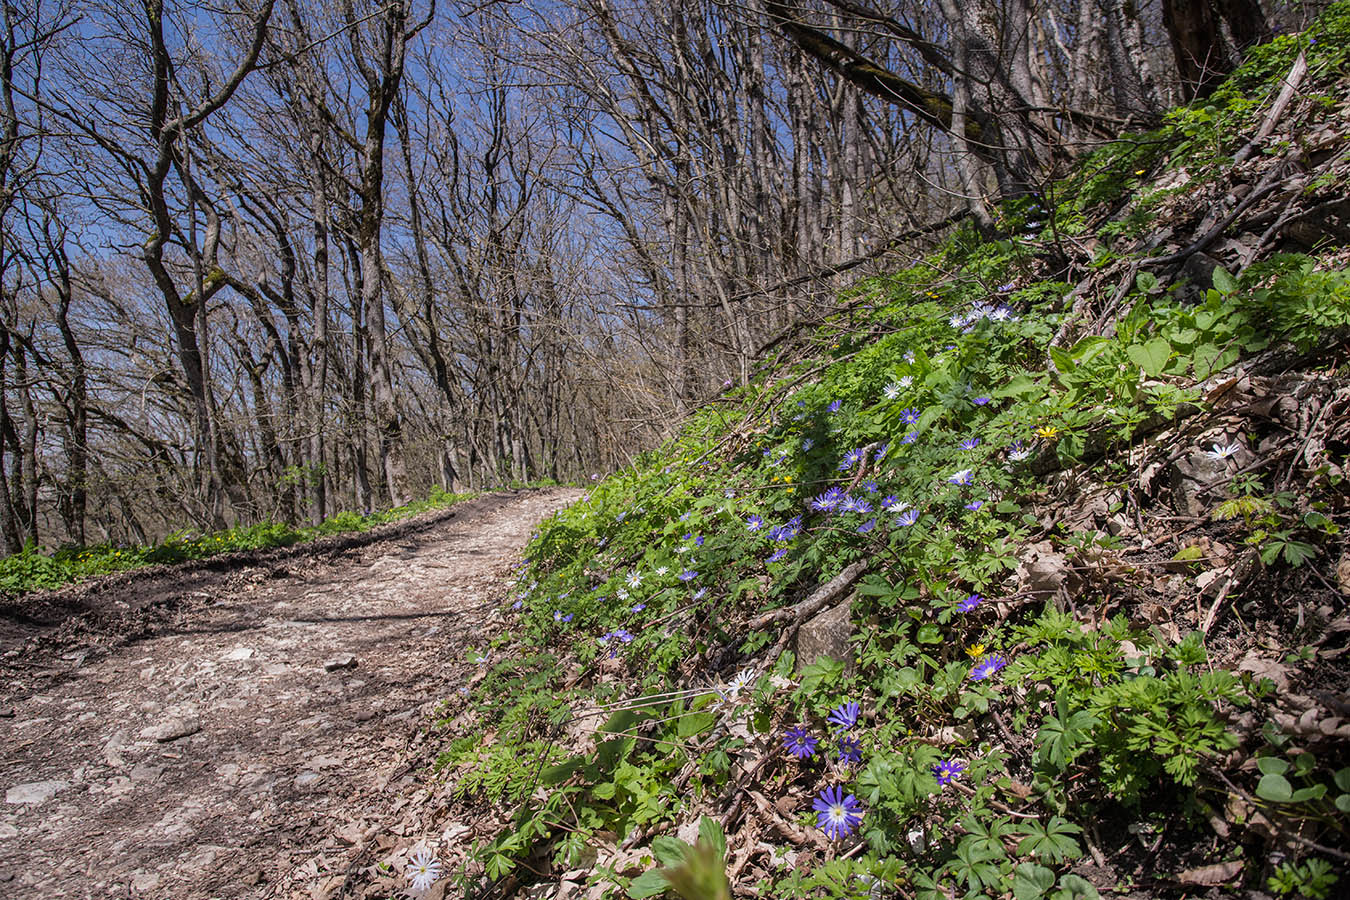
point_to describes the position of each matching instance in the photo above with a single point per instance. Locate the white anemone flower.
(1219, 453)
(423, 870)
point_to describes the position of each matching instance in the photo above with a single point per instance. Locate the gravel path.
(259, 721)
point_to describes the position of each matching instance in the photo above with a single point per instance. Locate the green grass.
(34, 570)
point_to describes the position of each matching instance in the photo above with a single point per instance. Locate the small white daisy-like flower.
(909, 356)
(423, 870)
(1220, 453)
(743, 680)
(906, 380)
(661, 570)
(621, 593)
(892, 390)
(957, 321)
(1020, 454)
(634, 579)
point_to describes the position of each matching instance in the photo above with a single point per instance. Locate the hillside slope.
(1023, 577)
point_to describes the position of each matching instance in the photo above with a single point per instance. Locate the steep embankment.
(1025, 575)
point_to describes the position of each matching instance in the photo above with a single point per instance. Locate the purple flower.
(851, 459)
(986, 667)
(947, 770)
(881, 451)
(754, 523)
(891, 503)
(698, 541)
(845, 716)
(778, 555)
(969, 444)
(969, 603)
(638, 607)
(909, 416)
(1004, 288)
(838, 815)
(834, 407)
(867, 526)
(979, 401)
(518, 604)
(870, 487)
(688, 575)
(559, 617)
(799, 743)
(850, 504)
(910, 437)
(807, 444)
(850, 750)
(1017, 452)
(700, 593)
(963, 477)
(974, 505)
(907, 518)
(827, 501)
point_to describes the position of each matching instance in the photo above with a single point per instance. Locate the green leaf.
(1343, 803)
(1275, 787)
(710, 832)
(1062, 360)
(648, 884)
(1223, 282)
(1342, 778)
(929, 634)
(1007, 508)
(1076, 887)
(1151, 357)
(1031, 881)
(695, 723)
(1313, 792)
(1272, 765)
(670, 851)
(823, 671)
(1146, 282)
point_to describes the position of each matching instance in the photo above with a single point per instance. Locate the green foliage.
(31, 570)
(1313, 878)
(942, 368)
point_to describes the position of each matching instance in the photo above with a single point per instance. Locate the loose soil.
(214, 730)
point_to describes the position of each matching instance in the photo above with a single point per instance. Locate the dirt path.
(219, 753)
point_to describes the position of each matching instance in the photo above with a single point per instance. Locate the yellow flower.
(975, 651)
(1047, 431)
(787, 479)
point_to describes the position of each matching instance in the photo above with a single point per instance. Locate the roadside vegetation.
(1081, 503)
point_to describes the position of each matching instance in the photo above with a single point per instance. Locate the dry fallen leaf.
(1218, 873)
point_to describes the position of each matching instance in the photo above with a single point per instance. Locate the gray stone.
(337, 663)
(35, 792)
(1191, 477)
(827, 634)
(171, 730)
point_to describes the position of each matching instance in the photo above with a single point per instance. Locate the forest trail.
(220, 749)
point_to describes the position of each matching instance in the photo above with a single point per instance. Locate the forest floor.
(214, 730)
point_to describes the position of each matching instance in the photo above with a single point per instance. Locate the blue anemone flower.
(837, 815)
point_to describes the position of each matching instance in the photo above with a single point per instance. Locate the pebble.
(171, 730)
(345, 661)
(35, 792)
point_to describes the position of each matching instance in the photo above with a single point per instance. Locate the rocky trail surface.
(213, 730)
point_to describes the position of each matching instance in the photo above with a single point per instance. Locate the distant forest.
(274, 259)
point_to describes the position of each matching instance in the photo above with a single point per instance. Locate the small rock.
(171, 730)
(337, 663)
(144, 881)
(827, 634)
(240, 653)
(35, 792)
(305, 779)
(7, 831)
(146, 772)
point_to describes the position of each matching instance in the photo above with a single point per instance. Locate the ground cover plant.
(36, 570)
(1022, 577)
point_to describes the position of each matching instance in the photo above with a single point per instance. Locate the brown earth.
(235, 728)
